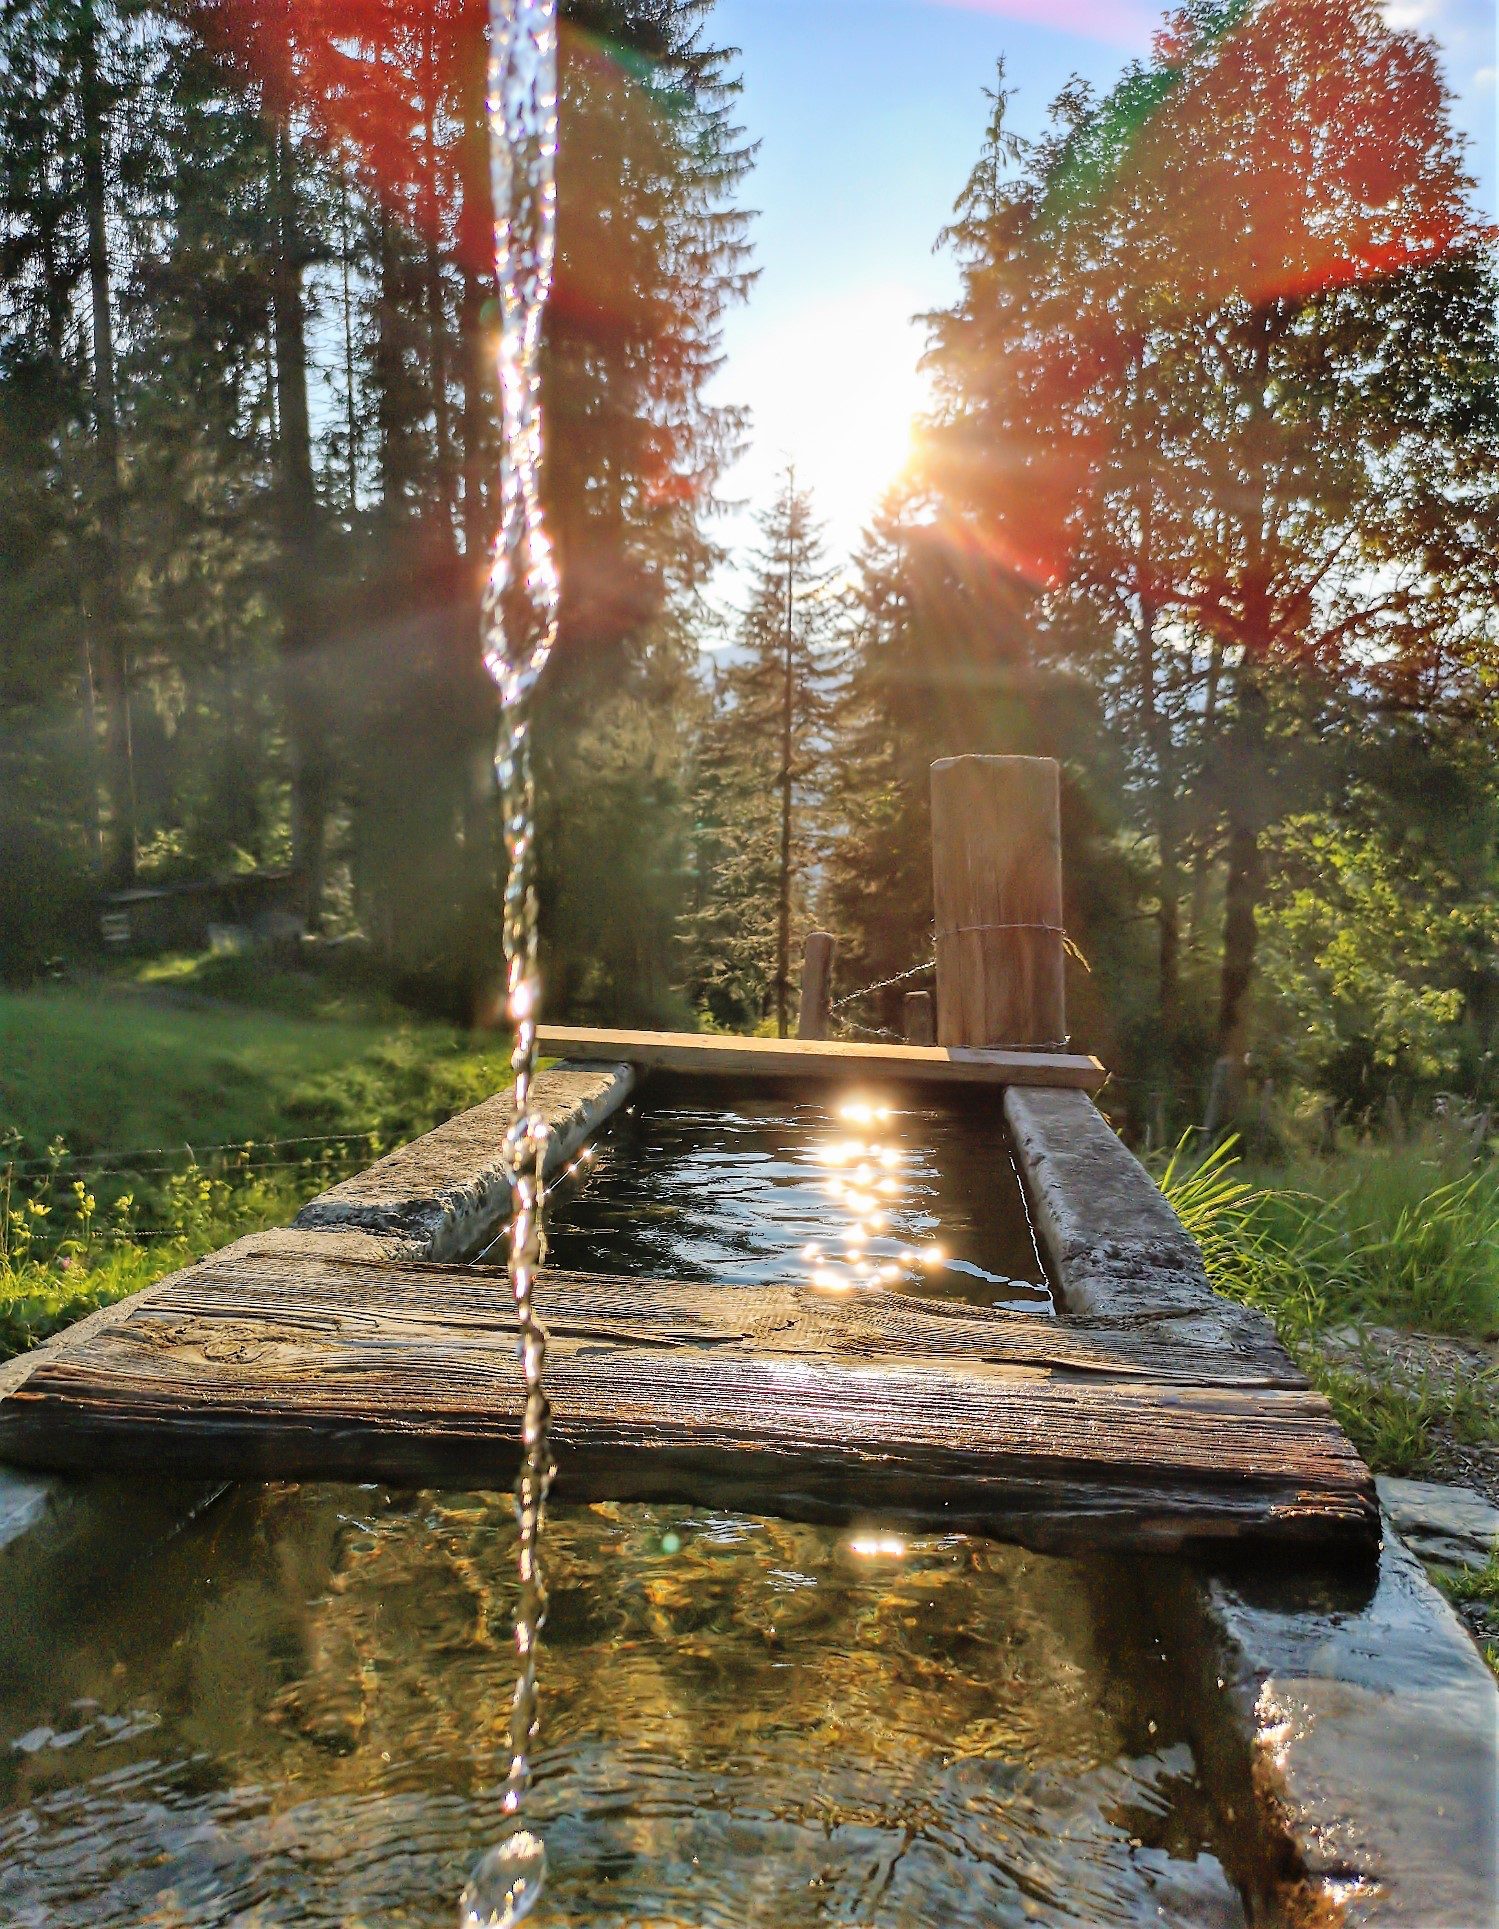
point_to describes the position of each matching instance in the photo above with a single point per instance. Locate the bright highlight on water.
(520, 628)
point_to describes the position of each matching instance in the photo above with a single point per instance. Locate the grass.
(148, 1117)
(1476, 1589)
(62, 1256)
(1373, 1237)
(115, 1065)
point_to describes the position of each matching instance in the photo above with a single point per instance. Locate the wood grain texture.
(711, 1054)
(997, 896)
(782, 1400)
(817, 984)
(448, 1193)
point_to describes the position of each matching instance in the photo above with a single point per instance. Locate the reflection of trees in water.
(962, 1718)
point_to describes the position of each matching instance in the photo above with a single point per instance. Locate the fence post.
(920, 1020)
(817, 984)
(997, 890)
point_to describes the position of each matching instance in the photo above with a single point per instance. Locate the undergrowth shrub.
(64, 1251)
(1382, 1236)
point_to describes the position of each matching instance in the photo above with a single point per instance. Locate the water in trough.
(295, 1709)
(843, 1192)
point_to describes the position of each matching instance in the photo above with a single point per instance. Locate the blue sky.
(869, 114)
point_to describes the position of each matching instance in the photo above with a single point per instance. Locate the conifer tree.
(1222, 385)
(763, 778)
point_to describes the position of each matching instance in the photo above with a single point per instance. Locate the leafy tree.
(1221, 384)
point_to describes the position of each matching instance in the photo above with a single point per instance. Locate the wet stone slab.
(1451, 1526)
(445, 1194)
(1376, 1728)
(1116, 1247)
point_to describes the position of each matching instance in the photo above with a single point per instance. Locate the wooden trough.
(1151, 1414)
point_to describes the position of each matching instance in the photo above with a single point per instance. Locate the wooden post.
(817, 984)
(997, 888)
(921, 1020)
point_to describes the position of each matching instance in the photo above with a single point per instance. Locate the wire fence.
(130, 1159)
(48, 1202)
(851, 1028)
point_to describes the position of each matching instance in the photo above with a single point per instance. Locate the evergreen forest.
(1206, 507)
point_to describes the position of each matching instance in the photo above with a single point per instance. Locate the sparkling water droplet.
(520, 628)
(506, 1883)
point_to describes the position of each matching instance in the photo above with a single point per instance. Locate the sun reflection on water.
(865, 1187)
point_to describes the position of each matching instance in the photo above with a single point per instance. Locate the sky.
(869, 115)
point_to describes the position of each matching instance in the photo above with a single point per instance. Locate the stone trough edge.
(1375, 1730)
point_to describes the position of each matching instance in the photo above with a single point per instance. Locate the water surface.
(844, 1190)
(293, 1712)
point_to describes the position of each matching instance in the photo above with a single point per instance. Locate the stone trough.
(1371, 1721)
(1150, 1417)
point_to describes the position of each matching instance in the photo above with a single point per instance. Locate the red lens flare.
(1297, 149)
(1118, 23)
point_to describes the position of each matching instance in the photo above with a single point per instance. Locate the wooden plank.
(783, 1401)
(712, 1054)
(997, 896)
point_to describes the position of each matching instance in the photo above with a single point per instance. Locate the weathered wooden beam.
(920, 1018)
(784, 1401)
(817, 984)
(712, 1054)
(997, 896)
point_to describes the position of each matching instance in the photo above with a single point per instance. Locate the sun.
(835, 388)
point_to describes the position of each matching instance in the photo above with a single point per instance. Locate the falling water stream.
(520, 627)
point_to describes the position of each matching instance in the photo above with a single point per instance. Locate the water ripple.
(293, 1720)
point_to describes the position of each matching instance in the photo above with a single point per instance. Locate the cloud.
(1420, 16)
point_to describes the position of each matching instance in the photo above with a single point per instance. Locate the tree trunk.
(351, 418)
(436, 304)
(304, 676)
(59, 297)
(1246, 807)
(475, 246)
(1158, 738)
(1203, 849)
(107, 586)
(476, 355)
(783, 932)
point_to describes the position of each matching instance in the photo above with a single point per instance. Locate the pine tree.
(762, 773)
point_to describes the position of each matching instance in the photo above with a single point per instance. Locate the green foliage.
(1402, 1236)
(1407, 1238)
(1477, 1590)
(105, 1093)
(762, 779)
(243, 532)
(62, 1257)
